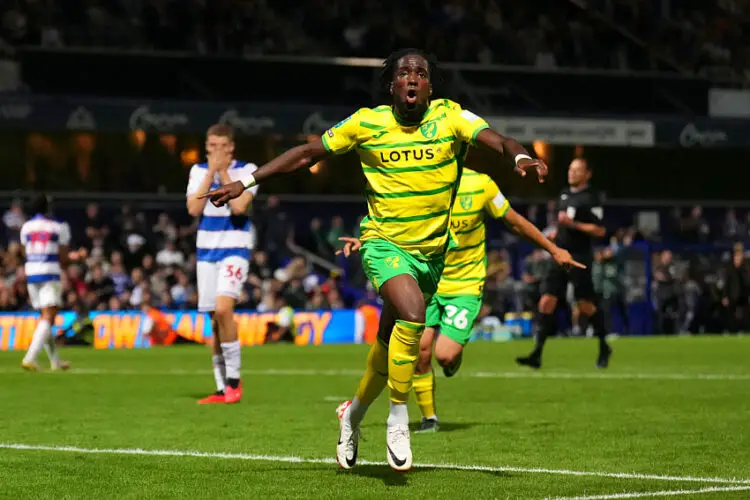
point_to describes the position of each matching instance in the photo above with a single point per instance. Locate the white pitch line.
(336, 399)
(293, 459)
(357, 373)
(665, 493)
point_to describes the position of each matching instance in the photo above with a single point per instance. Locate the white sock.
(357, 411)
(220, 371)
(399, 415)
(38, 341)
(232, 359)
(51, 347)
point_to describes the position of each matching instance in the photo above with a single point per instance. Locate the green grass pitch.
(670, 418)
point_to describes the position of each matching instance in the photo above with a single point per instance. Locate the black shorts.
(557, 279)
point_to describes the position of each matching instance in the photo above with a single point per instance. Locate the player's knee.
(547, 304)
(447, 351)
(446, 358)
(224, 313)
(49, 313)
(413, 315)
(586, 307)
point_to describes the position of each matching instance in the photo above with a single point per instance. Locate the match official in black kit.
(579, 218)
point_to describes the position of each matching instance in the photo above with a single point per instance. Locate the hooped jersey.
(466, 263)
(412, 171)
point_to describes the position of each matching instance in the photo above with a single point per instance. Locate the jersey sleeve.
(241, 173)
(196, 177)
(597, 208)
(64, 234)
(497, 205)
(343, 136)
(466, 125)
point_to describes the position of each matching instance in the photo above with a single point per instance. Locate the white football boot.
(348, 445)
(398, 443)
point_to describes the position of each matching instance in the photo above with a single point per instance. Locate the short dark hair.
(586, 163)
(389, 66)
(221, 130)
(39, 204)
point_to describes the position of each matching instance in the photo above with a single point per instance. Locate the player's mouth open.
(411, 96)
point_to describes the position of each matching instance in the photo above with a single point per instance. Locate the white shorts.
(220, 279)
(48, 294)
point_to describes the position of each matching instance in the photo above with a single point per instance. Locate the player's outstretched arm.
(296, 158)
(521, 225)
(512, 148)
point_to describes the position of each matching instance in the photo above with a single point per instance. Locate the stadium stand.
(695, 36)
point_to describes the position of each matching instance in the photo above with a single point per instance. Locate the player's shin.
(220, 372)
(545, 328)
(230, 345)
(38, 341)
(51, 348)
(403, 351)
(424, 393)
(372, 383)
(599, 326)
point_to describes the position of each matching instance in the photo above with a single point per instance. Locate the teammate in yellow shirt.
(453, 310)
(412, 152)
(455, 307)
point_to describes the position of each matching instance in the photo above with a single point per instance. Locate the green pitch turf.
(671, 415)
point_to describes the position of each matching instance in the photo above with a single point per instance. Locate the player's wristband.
(521, 156)
(249, 181)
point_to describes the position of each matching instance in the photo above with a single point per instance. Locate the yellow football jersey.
(412, 171)
(466, 264)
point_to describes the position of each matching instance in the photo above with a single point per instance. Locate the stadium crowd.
(695, 34)
(133, 262)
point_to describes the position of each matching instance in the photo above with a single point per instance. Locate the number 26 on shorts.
(456, 317)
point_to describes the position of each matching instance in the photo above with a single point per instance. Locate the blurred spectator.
(138, 287)
(169, 255)
(260, 269)
(607, 274)
(732, 229)
(736, 293)
(666, 297)
(314, 240)
(294, 294)
(335, 232)
(101, 285)
(273, 230)
(695, 228)
(13, 219)
(95, 228)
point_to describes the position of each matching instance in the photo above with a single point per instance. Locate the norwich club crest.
(429, 129)
(465, 202)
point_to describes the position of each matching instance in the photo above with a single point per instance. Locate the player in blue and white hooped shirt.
(46, 244)
(225, 238)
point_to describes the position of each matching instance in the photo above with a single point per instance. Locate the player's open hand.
(221, 195)
(564, 259)
(525, 164)
(351, 245)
